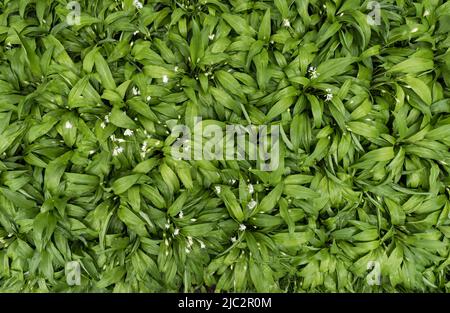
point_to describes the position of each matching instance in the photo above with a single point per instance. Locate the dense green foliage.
(86, 173)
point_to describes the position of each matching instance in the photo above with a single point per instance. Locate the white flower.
(426, 13)
(187, 250)
(286, 23)
(175, 68)
(180, 215)
(218, 189)
(251, 189)
(117, 151)
(232, 181)
(135, 33)
(312, 72)
(102, 125)
(415, 29)
(242, 227)
(176, 232)
(190, 242)
(166, 242)
(128, 132)
(68, 125)
(251, 204)
(211, 37)
(202, 245)
(107, 118)
(138, 4)
(167, 225)
(144, 146)
(329, 95)
(233, 239)
(92, 152)
(148, 98)
(193, 219)
(165, 79)
(136, 91)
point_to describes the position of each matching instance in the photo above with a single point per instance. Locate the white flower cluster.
(68, 125)
(117, 150)
(144, 149)
(138, 4)
(136, 91)
(252, 204)
(329, 95)
(106, 118)
(128, 132)
(114, 139)
(312, 72)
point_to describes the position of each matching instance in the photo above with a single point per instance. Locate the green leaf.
(413, 65)
(54, 171)
(396, 212)
(121, 119)
(299, 192)
(104, 72)
(269, 202)
(124, 183)
(363, 129)
(334, 67)
(230, 201)
(44, 225)
(264, 28)
(177, 205)
(419, 87)
(239, 24)
(196, 46)
(132, 221)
